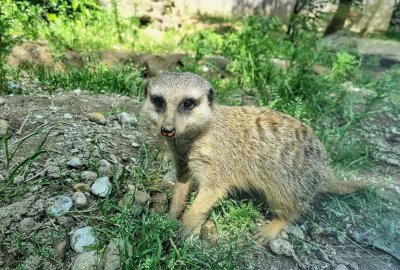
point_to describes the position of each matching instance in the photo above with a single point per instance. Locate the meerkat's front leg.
(197, 214)
(179, 198)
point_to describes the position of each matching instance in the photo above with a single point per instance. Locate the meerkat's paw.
(270, 231)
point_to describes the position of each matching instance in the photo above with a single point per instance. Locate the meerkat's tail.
(344, 187)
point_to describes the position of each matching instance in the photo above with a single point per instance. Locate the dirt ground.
(23, 211)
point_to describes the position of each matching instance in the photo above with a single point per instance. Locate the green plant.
(14, 169)
(344, 66)
(6, 42)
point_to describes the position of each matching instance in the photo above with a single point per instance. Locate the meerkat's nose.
(168, 131)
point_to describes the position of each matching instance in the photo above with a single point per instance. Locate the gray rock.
(354, 266)
(87, 261)
(88, 176)
(105, 168)
(341, 267)
(77, 92)
(60, 248)
(81, 238)
(296, 231)
(392, 161)
(2, 101)
(53, 109)
(79, 199)
(101, 187)
(27, 225)
(67, 116)
(75, 163)
(170, 177)
(59, 205)
(135, 145)
(82, 187)
(281, 247)
(126, 119)
(111, 258)
(4, 126)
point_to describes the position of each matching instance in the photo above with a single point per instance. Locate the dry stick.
(23, 124)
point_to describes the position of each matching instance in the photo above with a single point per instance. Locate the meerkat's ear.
(146, 83)
(210, 96)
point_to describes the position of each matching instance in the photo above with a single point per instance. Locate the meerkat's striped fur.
(226, 148)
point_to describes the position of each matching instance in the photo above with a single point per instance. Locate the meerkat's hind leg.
(270, 231)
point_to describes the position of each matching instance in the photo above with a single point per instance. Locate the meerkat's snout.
(168, 131)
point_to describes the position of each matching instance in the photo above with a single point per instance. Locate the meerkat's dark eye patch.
(188, 104)
(158, 102)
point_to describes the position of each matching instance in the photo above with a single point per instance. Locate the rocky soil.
(96, 137)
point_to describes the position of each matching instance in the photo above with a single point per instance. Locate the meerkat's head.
(178, 103)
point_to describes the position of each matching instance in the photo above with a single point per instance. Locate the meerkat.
(226, 148)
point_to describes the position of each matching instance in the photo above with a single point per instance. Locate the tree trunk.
(394, 24)
(340, 17)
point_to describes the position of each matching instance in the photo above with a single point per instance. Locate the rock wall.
(374, 15)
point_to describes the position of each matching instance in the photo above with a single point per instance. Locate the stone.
(160, 202)
(82, 187)
(87, 261)
(53, 109)
(2, 101)
(81, 238)
(4, 126)
(354, 266)
(101, 187)
(170, 177)
(98, 118)
(27, 225)
(88, 176)
(105, 168)
(295, 230)
(67, 116)
(111, 257)
(126, 119)
(60, 248)
(209, 232)
(75, 163)
(341, 267)
(79, 199)
(59, 205)
(281, 247)
(141, 196)
(77, 92)
(135, 145)
(18, 179)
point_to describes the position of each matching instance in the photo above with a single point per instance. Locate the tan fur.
(226, 148)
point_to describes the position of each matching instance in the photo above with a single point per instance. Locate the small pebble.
(82, 187)
(77, 92)
(79, 199)
(74, 163)
(81, 238)
(2, 101)
(59, 205)
(281, 247)
(296, 231)
(125, 118)
(53, 109)
(88, 176)
(86, 261)
(98, 118)
(68, 116)
(135, 145)
(105, 168)
(4, 126)
(101, 187)
(60, 248)
(341, 267)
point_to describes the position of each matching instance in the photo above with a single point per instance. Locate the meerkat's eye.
(188, 104)
(158, 102)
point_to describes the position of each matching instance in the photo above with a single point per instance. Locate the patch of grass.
(125, 80)
(14, 169)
